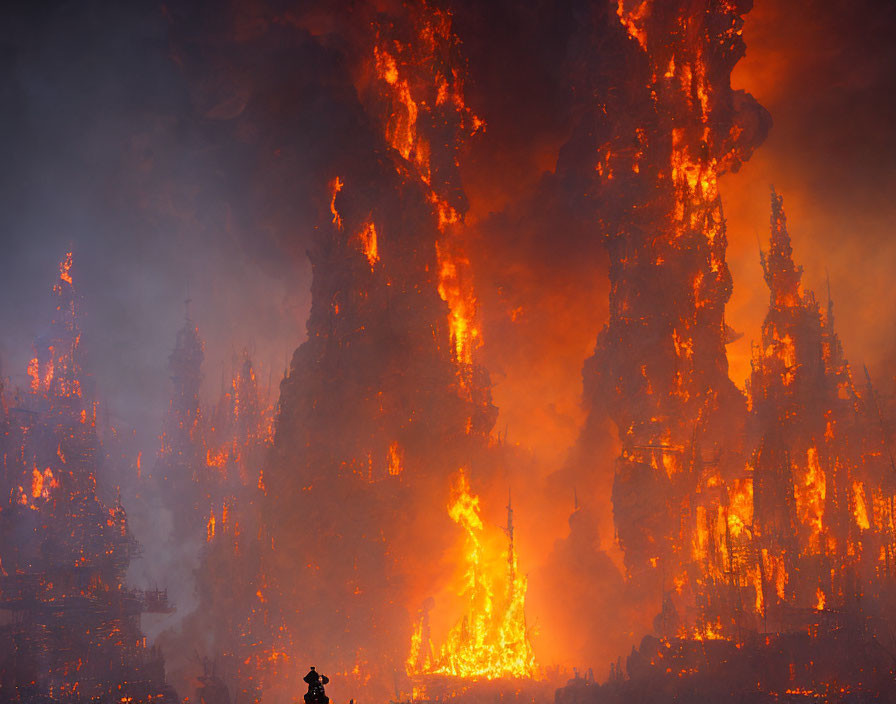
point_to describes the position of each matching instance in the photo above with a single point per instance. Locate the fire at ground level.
(756, 527)
(776, 575)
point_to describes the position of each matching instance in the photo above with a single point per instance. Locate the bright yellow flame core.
(861, 510)
(810, 497)
(491, 640)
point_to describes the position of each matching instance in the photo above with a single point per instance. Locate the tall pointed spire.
(72, 631)
(55, 366)
(182, 450)
(781, 274)
(184, 365)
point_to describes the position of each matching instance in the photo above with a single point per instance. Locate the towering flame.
(490, 640)
(659, 369)
(387, 373)
(409, 116)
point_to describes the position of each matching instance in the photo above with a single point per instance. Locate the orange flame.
(367, 237)
(491, 640)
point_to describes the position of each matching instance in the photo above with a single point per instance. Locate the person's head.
(312, 668)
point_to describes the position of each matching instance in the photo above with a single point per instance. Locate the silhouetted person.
(315, 693)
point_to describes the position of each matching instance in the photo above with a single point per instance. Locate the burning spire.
(490, 640)
(55, 368)
(781, 275)
(388, 370)
(73, 632)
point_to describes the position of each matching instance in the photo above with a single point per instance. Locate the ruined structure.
(738, 514)
(209, 471)
(70, 628)
(385, 402)
(231, 582)
(333, 526)
(822, 471)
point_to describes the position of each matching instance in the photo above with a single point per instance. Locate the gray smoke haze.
(160, 169)
(105, 154)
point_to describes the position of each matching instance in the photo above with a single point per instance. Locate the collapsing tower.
(388, 372)
(748, 511)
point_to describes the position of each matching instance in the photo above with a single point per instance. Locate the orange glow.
(65, 267)
(34, 373)
(42, 482)
(401, 129)
(367, 238)
(455, 285)
(740, 509)
(464, 332)
(860, 511)
(633, 20)
(810, 495)
(396, 459)
(491, 640)
(335, 186)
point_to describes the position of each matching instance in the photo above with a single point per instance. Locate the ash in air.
(403, 338)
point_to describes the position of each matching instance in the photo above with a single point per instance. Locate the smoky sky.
(180, 158)
(178, 161)
(106, 153)
(827, 73)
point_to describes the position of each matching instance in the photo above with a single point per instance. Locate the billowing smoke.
(186, 151)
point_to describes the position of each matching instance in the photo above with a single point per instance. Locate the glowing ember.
(367, 237)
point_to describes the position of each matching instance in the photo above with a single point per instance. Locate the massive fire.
(441, 93)
(353, 515)
(491, 639)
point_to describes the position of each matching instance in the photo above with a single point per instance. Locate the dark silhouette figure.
(315, 693)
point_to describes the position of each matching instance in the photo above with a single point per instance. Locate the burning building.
(71, 625)
(389, 371)
(355, 517)
(790, 564)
